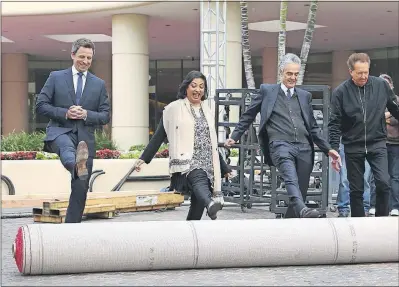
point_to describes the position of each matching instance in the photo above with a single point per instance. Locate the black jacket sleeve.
(248, 116)
(334, 124)
(153, 146)
(224, 167)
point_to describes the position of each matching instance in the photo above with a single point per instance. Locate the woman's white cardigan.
(179, 123)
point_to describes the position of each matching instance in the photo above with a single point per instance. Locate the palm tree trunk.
(246, 53)
(282, 35)
(307, 40)
(246, 49)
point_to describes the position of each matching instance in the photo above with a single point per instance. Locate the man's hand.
(76, 113)
(336, 160)
(73, 113)
(229, 143)
(388, 117)
(81, 113)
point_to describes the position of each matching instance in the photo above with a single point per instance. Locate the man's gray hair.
(289, 58)
(82, 42)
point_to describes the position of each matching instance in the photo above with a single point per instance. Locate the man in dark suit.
(76, 102)
(287, 134)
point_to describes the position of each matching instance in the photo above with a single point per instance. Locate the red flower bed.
(19, 155)
(107, 154)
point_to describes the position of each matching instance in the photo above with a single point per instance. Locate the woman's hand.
(137, 165)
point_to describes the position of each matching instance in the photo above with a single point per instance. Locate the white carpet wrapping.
(152, 245)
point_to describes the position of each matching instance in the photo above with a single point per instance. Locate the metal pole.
(213, 51)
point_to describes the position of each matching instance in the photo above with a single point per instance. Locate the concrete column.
(340, 71)
(130, 70)
(269, 66)
(234, 53)
(14, 93)
(103, 70)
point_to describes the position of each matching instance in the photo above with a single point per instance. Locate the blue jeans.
(393, 169)
(343, 190)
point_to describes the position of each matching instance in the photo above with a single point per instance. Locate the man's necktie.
(289, 93)
(79, 88)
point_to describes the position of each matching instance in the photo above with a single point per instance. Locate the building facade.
(145, 49)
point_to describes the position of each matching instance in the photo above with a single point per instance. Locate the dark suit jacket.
(264, 103)
(58, 94)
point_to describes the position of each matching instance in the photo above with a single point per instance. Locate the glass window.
(385, 61)
(166, 76)
(190, 65)
(154, 110)
(318, 69)
(169, 77)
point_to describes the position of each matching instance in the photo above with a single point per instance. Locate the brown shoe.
(82, 154)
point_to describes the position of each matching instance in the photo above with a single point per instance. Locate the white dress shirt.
(75, 78)
(285, 89)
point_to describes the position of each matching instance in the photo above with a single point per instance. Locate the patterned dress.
(202, 157)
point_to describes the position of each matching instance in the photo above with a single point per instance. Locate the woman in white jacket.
(195, 165)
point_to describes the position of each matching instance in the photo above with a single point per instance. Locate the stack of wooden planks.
(108, 205)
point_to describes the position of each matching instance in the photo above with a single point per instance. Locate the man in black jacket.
(358, 114)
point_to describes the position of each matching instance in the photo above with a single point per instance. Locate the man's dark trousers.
(294, 162)
(378, 160)
(65, 146)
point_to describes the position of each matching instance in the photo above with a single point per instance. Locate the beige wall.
(14, 93)
(28, 176)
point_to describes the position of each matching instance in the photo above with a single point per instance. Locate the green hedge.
(34, 142)
(22, 142)
(29, 146)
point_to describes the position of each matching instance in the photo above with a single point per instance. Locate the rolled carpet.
(153, 245)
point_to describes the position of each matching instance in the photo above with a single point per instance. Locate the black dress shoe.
(212, 209)
(309, 213)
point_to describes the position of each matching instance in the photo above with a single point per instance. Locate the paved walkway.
(343, 275)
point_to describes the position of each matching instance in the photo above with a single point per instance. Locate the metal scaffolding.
(213, 50)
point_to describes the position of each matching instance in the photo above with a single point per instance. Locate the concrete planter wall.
(33, 177)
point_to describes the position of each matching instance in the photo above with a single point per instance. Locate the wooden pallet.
(58, 215)
(62, 211)
(61, 219)
(109, 205)
(123, 200)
